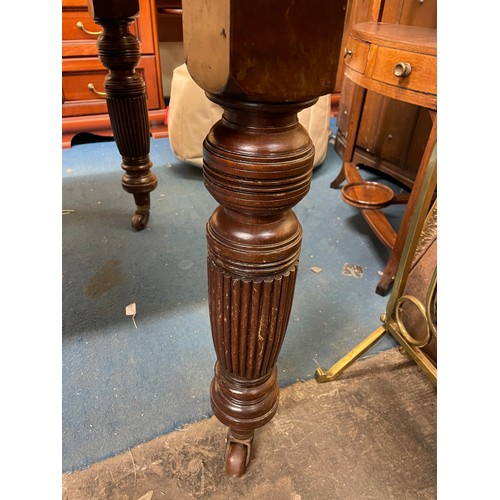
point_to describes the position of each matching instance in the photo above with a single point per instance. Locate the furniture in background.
(83, 102)
(392, 134)
(399, 62)
(127, 104)
(169, 20)
(411, 311)
(170, 40)
(257, 163)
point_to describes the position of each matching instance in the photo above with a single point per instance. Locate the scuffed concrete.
(371, 434)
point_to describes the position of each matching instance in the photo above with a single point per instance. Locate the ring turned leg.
(118, 51)
(257, 165)
(262, 62)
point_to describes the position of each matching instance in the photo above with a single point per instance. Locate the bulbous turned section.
(244, 404)
(258, 157)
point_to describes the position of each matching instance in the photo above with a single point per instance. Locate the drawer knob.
(80, 26)
(348, 52)
(402, 69)
(93, 89)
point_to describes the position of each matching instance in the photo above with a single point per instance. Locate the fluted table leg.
(118, 51)
(262, 61)
(257, 165)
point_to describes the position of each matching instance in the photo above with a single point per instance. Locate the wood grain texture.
(416, 50)
(258, 165)
(274, 61)
(392, 134)
(126, 100)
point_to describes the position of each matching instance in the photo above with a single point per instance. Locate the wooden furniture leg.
(392, 323)
(268, 59)
(358, 100)
(118, 51)
(258, 165)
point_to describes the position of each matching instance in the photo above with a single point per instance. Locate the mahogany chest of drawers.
(83, 101)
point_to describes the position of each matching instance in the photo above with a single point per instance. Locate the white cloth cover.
(191, 116)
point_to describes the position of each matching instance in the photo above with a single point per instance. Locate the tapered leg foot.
(339, 179)
(385, 283)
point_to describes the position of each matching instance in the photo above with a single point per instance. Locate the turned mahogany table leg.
(118, 51)
(262, 61)
(258, 164)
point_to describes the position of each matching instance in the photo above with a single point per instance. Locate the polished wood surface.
(80, 100)
(125, 92)
(258, 166)
(372, 64)
(392, 134)
(169, 20)
(377, 49)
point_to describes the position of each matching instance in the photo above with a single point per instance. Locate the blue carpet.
(124, 385)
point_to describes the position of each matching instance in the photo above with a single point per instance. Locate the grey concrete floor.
(370, 434)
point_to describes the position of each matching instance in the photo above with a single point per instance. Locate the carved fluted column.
(118, 50)
(262, 61)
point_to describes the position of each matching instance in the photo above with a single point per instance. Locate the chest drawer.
(77, 43)
(421, 77)
(78, 73)
(81, 41)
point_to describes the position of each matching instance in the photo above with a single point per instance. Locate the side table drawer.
(422, 77)
(356, 55)
(77, 73)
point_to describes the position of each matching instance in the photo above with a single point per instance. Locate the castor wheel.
(140, 220)
(236, 459)
(238, 450)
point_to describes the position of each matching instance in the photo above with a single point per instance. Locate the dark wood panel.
(169, 20)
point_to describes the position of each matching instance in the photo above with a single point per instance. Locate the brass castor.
(140, 220)
(238, 451)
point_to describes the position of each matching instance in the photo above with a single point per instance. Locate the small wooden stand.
(398, 62)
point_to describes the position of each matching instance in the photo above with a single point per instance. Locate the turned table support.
(118, 50)
(258, 164)
(262, 61)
